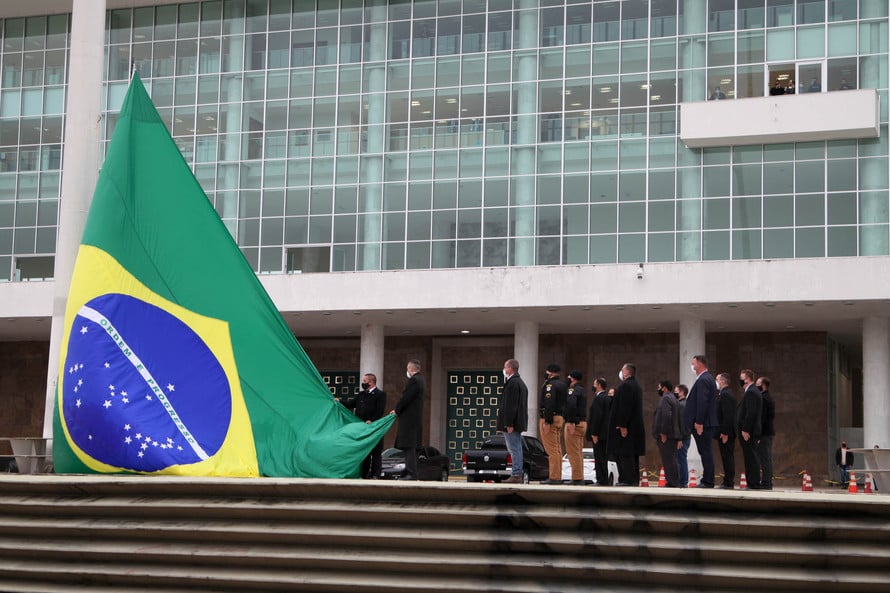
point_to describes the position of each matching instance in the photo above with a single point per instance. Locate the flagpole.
(80, 167)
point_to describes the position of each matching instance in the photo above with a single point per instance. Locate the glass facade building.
(343, 136)
(467, 181)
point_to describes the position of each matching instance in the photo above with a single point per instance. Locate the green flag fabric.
(174, 360)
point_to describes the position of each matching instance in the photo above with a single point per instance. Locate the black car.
(492, 463)
(431, 464)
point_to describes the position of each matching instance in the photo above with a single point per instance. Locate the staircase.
(161, 534)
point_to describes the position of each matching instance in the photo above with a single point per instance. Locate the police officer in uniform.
(553, 404)
(576, 426)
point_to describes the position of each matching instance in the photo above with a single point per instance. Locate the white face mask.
(693, 369)
(621, 375)
(408, 374)
(505, 375)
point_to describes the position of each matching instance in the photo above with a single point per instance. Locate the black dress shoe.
(625, 484)
(725, 487)
(579, 483)
(550, 482)
(703, 485)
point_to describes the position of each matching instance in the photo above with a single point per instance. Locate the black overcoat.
(410, 413)
(513, 408)
(627, 411)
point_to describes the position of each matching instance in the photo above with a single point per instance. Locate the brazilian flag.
(174, 360)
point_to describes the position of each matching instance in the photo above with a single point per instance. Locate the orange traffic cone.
(854, 487)
(661, 481)
(743, 482)
(868, 487)
(644, 481)
(693, 481)
(808, 482)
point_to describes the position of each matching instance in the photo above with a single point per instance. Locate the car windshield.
(392, 454)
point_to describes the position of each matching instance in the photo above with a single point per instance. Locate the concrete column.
(693, 53)
(80, 167)
(232, 152)
(372, 158)
(526, 135)
(876, 382)
(873, 174)
(525, 349)
(692, 342)
(372, 351)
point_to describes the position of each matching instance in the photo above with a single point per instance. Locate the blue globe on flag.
(136, 386)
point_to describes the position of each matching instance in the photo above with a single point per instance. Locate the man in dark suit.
(369, 405)
(749, 427)
(767, 434)
(410, 413)
(701, 416)
(513, 416)
(666, 428)
(598, 430)
(627, 433)
(725, 433)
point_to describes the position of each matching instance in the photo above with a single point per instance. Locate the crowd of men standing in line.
(613, 423)
(706, 412)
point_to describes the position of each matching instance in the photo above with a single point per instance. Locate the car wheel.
(443, 477)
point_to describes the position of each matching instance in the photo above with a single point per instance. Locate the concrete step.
(713, 523)
(454, 543)
(505, 576)
(206, 535)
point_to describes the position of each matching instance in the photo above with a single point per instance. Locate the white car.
(589, 468)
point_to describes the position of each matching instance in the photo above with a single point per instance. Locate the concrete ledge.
(785, 118)
(454, 493)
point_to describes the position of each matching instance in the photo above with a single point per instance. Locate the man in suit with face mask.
(369, 405)
(627, 437)
(701, 416)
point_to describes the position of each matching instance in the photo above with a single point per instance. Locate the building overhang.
(832, 295)
(785, 118)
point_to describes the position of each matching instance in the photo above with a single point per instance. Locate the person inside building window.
(777, 89)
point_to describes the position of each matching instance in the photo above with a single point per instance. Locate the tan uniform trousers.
(553, 445)
(574, 445)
